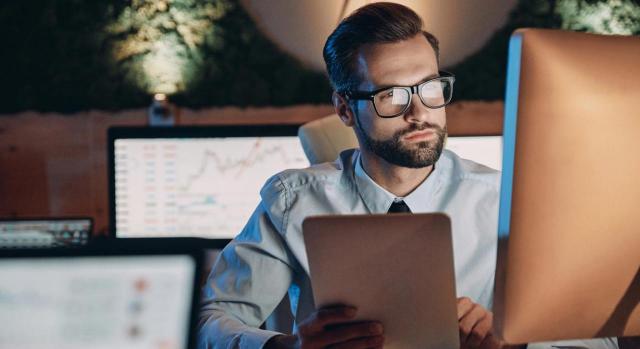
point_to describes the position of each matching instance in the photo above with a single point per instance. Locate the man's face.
(414, 139)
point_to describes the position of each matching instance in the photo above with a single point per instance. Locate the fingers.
(480, 331)
(334, 328)
(349, 332)
(475, 323)
(326, 316)
(360, 343)
(464, 305)
(491, 342)
(473, 320)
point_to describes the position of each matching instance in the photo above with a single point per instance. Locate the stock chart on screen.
(196, 187)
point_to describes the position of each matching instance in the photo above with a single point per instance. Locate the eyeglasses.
(390, 102)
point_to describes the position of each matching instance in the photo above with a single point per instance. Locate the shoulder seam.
(285, 214)
(469, 177)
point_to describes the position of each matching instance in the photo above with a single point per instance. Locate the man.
(388, 87)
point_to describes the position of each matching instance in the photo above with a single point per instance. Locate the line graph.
(197, 187)
(259, 152)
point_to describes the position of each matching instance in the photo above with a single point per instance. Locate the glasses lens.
(436, 93)
(391, 101)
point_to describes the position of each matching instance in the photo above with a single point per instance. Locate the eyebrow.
(429, 77)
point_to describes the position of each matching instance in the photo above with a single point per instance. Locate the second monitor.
(193, 181)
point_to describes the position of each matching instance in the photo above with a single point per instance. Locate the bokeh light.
(619, 17)
(157, 42)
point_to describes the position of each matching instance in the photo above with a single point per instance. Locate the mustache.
(421, 127)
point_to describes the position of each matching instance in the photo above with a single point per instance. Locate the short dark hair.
(380, 22)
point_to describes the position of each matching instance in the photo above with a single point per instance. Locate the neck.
(398, 180)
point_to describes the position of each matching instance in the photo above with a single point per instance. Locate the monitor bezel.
(144, 132)
(512, 91)
(139, 247)
(43, 219)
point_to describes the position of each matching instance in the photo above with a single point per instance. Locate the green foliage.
(482, 75)
(70, 55)
(607, 17)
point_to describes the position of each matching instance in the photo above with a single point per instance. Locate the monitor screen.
(44, 232)
(196, 182)
(486, 150)
(96, 302)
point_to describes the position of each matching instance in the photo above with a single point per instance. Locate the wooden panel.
(23, 182)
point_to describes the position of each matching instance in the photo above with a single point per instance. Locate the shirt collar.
(378, 200)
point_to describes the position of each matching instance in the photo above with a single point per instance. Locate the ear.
(343, 109)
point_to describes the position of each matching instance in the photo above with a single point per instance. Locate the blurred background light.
(619, 17)
(157, 41)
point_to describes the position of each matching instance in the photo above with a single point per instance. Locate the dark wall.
(58, 55)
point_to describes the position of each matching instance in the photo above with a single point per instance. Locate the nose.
(417, 112)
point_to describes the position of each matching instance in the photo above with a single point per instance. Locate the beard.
(392, 150)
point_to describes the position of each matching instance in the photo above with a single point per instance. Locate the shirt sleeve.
(599, 343)
(248, 280)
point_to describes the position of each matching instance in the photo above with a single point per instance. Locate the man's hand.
(330, 327)
(475, 324)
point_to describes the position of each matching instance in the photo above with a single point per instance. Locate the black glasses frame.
(370, 96)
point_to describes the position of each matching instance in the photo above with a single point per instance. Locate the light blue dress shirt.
(268, 258)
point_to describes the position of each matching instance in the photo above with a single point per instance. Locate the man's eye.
(386, 94)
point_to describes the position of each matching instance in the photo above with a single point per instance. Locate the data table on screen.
(126, 302)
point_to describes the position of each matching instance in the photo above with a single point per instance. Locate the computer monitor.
(193, 181)
(44, 232)
(569, 223)
(210, 248)
(486, 150)
(99, 297)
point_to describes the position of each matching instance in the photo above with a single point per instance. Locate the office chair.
(324, 139)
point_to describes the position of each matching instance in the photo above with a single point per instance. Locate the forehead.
(400, 63)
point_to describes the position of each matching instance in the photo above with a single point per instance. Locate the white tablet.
(397, 269)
